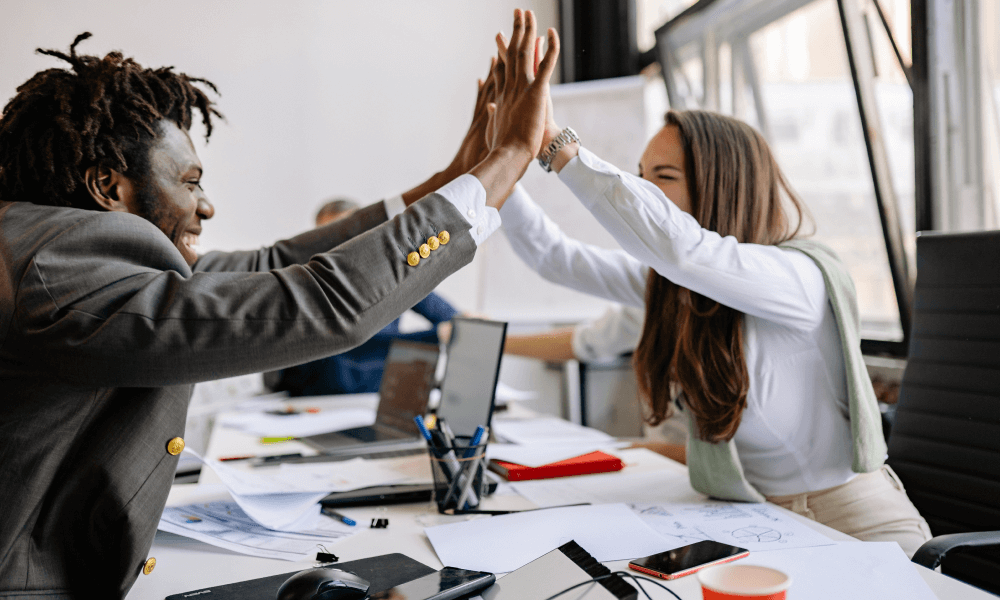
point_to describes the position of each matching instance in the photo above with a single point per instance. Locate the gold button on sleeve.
(444, 237)
(425, 250)
(175, 446)
(433, 242)
(148, 566)
(413, 259)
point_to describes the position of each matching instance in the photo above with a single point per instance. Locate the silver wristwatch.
(565, 136)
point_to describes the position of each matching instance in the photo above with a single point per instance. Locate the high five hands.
(510, 120)
(518, 113)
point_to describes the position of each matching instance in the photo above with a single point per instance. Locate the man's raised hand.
(518, 116)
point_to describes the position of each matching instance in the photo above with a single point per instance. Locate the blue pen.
(419, 420)
(476, 438)
(336, 515)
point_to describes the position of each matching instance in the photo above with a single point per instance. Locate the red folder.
(595, 462)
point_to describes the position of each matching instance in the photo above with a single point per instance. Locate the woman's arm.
(538, 241)
(763, 281)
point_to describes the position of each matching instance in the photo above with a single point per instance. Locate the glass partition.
(783, 67)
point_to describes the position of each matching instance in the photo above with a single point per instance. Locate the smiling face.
(662, 164)
(170, 194)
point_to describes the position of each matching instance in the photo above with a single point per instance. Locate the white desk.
(184, 564)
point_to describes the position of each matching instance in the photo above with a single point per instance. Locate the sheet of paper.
(504, 543)
(505, 393)
(536, 455)
(622, 486)
(300, 424)
(546, 431)
(756, 527)
(282, 512)
(855, 570)
(309, 478)
(226, 525)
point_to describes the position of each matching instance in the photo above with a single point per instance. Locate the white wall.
(362, 98)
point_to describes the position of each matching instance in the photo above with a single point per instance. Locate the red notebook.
(595, 462)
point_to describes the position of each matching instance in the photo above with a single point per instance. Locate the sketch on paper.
(756, 527)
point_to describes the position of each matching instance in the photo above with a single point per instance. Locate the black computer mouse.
(323, 584)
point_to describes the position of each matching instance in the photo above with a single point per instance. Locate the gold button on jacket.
(444, 237)
(148, 566)
(424, 250)
(433, 242)
(413, 259)
(175, 446)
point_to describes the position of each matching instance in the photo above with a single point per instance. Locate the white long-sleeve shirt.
(795, 435)
(615, 332)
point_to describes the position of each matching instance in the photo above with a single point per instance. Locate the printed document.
(755, 527)
(224, 524)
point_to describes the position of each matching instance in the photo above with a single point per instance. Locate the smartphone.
(446, 584)
(687, 559)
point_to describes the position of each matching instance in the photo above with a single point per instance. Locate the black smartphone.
(446, 584)
(687, 559)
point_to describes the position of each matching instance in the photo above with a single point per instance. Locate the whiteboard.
(614, 118)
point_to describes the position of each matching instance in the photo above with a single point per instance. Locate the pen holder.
(459, 475)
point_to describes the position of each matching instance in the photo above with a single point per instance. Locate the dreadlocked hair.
(104, 112)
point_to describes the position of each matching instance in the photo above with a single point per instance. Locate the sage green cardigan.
(715, 469)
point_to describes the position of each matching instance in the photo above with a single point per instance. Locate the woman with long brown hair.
(753, 330)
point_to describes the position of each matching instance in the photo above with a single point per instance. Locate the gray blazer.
(103, 330)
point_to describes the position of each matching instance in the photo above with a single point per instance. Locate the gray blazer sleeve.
(110, 301)
(297, 250)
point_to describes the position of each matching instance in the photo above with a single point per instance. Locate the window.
(783, 66)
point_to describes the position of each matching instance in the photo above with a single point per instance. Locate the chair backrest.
(945, 443)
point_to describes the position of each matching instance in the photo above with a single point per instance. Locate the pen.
(260, 459)
(423, 428)
(336, 515)
(446, 430)
(469, 454)
(476, 439)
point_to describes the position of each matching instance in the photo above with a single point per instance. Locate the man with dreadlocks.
(108, 316)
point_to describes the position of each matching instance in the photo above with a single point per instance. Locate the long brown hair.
(736, 189)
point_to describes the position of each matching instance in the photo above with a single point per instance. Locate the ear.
(108, 188)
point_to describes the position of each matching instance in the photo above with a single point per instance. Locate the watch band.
(566, 136)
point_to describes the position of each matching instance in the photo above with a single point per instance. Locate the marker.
(336, 515)
(276, 440)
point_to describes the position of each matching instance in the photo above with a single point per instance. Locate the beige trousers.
(872, 507)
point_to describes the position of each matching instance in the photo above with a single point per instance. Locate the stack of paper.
(274, 511)
(547, 431)
(224, 524)
(301, 424)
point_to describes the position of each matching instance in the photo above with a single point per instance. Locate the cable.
(638, 582)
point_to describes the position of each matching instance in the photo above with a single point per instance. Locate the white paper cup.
(740, 582)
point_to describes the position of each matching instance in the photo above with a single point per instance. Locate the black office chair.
(945, 442)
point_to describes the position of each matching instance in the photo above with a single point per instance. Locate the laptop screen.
(406, 384)
(470, 378)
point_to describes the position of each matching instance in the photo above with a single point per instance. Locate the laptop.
(468, 391)
(405, 388)
(468, 396)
